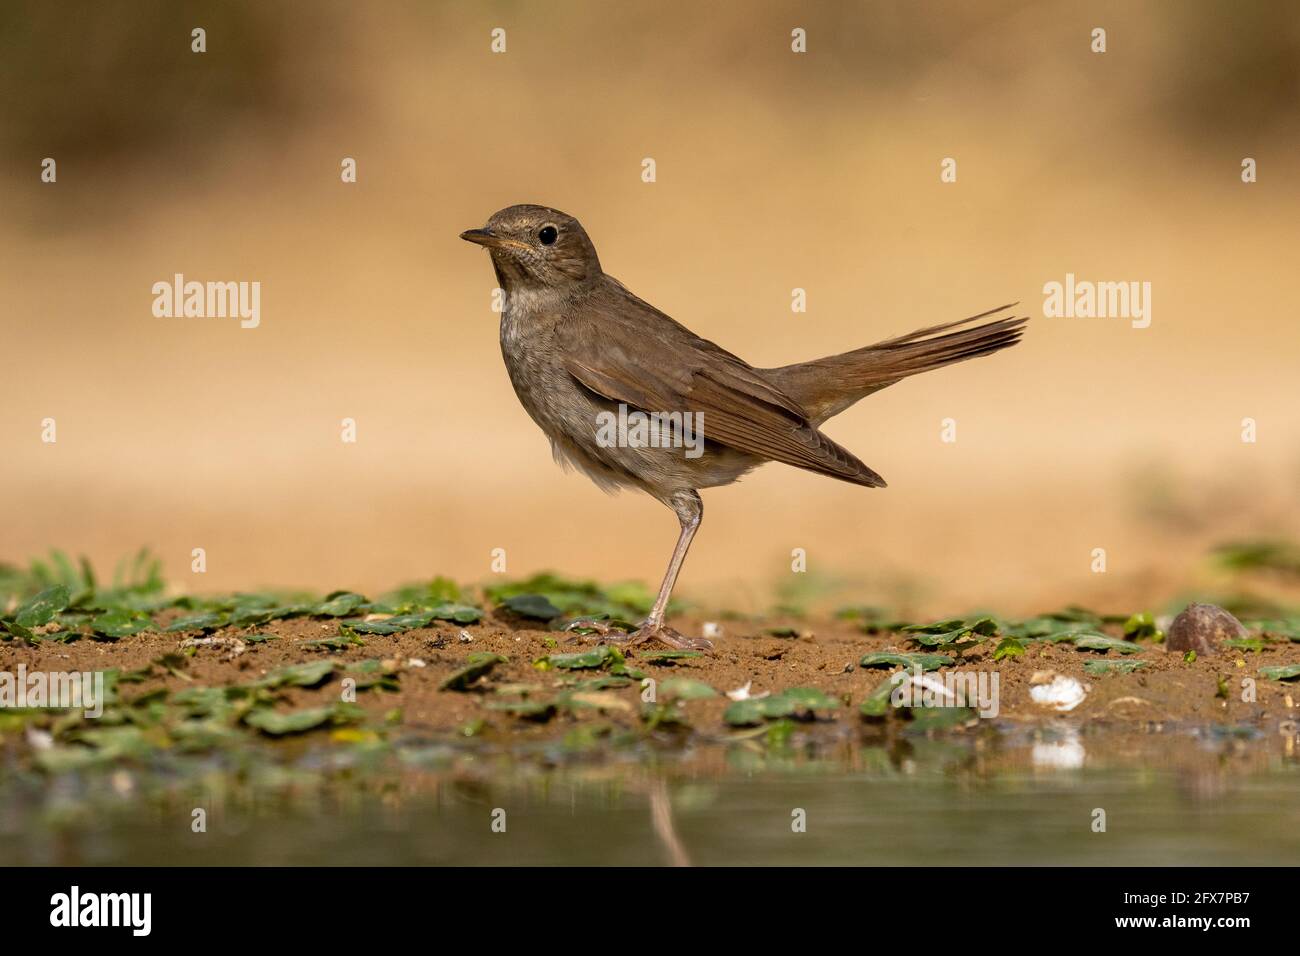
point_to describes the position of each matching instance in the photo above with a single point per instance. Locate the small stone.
(1202, 628)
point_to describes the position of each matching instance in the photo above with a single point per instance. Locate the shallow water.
(1170, 797)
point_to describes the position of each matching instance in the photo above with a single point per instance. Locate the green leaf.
(136, 676)
(606, 682)
(1076, 615)
(778, 733)
(1032, 629)
(371, 665)
(1113, 667)
(205, 701)
(1142, 626)
(41, 608)
(442, 590)
(535, 606)
(298, 675)
(947, 634)
(685, 688)
(598, 656)
(252, 615)
(121, 622)
(938, 627)
(60, 637)
(198, 622)
(1288, 629)
(744, 713)
(1068, 635)
(157, 695)
(663, 714)
(392, 625)
(296, 722)
(877, 703)
(982, 626)
(1280, 671)
(810, 698)
(17, 630)
(579, 598)
(1008, 647)
(340, 642)
(796, 700)
(118, 743)
(1263, 554)
(927, 662)
(476, 665)
(458, 613)
(340, 604)
(1245, 643)
(1101, 642)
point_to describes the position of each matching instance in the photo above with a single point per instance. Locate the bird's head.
(536, 246)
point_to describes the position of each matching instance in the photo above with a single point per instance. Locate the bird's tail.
(827, 386)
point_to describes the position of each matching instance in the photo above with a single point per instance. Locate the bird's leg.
(689, 510)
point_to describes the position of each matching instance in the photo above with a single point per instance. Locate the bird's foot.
(592, 629)
(667, 635)
(596, 629)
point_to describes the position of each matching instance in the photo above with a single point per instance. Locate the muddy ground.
(824, 656)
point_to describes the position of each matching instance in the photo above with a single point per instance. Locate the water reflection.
(1016, 795)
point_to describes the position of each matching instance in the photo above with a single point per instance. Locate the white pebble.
(1063, 693)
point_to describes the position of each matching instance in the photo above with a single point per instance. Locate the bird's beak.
(482, 237)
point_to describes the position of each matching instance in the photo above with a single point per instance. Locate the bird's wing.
(627, 351)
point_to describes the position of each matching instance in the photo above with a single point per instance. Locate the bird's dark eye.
(548, 235)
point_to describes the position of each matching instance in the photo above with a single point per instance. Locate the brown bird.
(591, 363)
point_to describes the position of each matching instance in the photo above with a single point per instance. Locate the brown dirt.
(824, 656)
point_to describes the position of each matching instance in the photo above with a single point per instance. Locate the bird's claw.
(606, 633)
(667, 635)
(602, 630)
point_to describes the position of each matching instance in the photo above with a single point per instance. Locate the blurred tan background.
(775, 171)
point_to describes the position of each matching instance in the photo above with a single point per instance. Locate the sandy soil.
(824, 656)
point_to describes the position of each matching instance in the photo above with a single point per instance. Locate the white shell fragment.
(1062, 693)
(742, 693)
